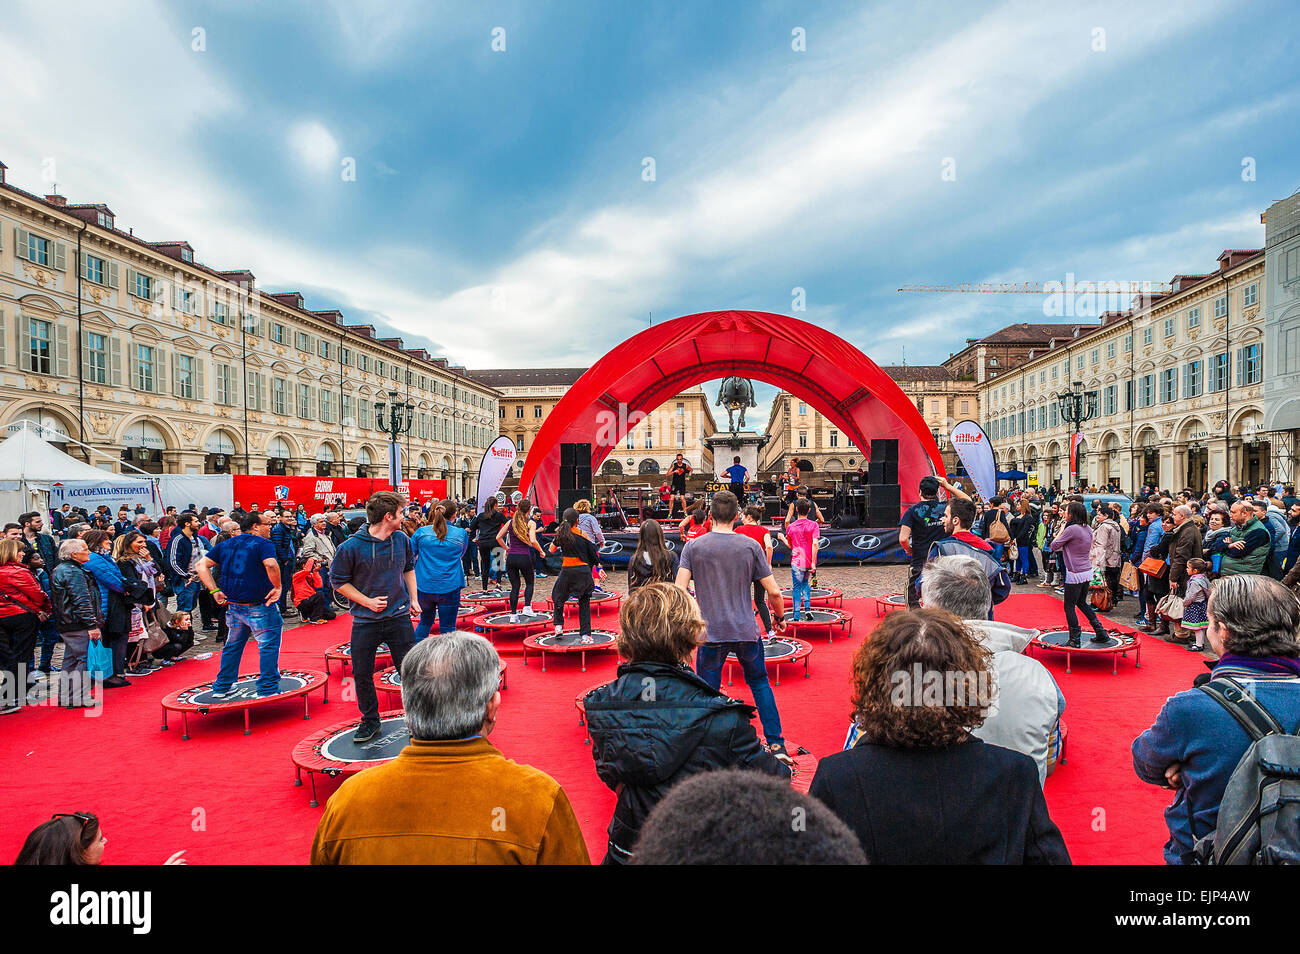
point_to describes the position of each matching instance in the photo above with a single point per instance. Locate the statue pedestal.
(743, 444)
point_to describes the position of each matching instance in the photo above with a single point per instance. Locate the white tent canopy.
(29, 466)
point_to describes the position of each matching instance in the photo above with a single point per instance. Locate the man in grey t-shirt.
(725, 566)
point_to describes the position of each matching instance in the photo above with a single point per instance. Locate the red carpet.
(227, 798)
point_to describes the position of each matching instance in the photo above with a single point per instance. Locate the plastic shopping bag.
(99, 659)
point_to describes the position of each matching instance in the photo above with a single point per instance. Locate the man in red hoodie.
(957, 519)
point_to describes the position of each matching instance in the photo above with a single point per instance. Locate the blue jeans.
(446, 605)
(1022, 559)
(262, 623)
(708, 665)
(801, 582)
(186, 595)
(998, 549)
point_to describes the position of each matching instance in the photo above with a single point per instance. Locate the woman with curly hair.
(916, 786)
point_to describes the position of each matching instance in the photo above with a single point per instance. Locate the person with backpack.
(922, 525)
(997, 529)
(1205, 743)
(960, 541)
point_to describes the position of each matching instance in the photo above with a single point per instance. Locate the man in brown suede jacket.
(450, 797)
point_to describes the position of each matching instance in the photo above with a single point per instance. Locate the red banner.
(317, 493)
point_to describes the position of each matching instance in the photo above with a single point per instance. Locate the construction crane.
(1070, 285)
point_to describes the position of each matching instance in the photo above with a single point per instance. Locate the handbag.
(1153, 566)
(998, 530)
(1100, 598)
(99, 659)
(1170, 607)
(1013, 552)
(1128, 577)
(154, 638)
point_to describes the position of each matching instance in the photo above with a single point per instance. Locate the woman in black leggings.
(487, 525)
(580, 555)
(519, 537)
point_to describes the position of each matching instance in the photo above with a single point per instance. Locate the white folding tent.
(30, 466)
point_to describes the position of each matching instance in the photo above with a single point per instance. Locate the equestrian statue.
(736, 394)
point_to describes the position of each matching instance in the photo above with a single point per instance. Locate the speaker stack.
(883, 501)
(575, 475)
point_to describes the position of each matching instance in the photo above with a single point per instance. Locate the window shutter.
(157, 289)
(111, 277)
(261, 391)
(130, 280)
(364, 417)
(233, 386)
(176, 378)
(24, 343)
(114, 362)
(200, 386)
(160, 371)
(176, 297)
(4, 339)
(20, 242)
(133, 366)
(60, 257)
(1240, 365)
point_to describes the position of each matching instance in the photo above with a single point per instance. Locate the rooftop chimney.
(56, 199)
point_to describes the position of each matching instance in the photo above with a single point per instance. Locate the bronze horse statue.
(736, 394)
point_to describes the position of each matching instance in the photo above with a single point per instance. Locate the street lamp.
(1076, 407)
(399, 419)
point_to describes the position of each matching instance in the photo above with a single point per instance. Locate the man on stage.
(677, 475)
(374, 569)
(738, 475)
(250, 591)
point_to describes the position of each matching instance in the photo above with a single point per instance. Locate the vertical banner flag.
(1075, 441)
(394, 463)
(497, 461)
(972, 446)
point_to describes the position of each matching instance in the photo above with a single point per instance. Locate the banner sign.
(497, 461)
(317, 493)
(1075, 441)
(834, 547)
(976, 453)
(90, 494)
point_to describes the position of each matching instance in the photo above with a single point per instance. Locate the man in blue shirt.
(284, 535)
(250, 588)
(374, 569)
(738, 474)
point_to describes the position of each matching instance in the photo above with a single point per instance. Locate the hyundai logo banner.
(835, 547)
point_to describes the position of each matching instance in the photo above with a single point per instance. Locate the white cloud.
(315, 145)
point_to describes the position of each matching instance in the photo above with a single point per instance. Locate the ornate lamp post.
(399, 419)
(1077, 407)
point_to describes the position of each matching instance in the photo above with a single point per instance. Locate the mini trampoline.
(1119, 644)
(522, 623)
(198, 699)
(480, 600)
(889, 603)
(822, 618)
(818, 595)
(343, 653)
(569, 641)
(466, 617)
(390, 680)
(580, 704)
(778, 650)
(600, 602)
(332, 752)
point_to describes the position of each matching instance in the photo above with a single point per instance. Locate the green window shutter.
(1241, 365)
(233, 396)
(60, 257)
(133, 366)
(4, 339)
(160, 371)
(114, 362)
(85, 356)
(111, 275)
(130, 280)
(20, 242)
(200, 385)
(24, 343)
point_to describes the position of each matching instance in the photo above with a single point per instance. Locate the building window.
(681, 439)
(304, 401)
(1219, 372)
(41, 348)
(1128, 344)
(185, 375)
(1194, 318)
(537, 411)
(1148, 335)
(38, 250)
(224, 380)
(1221, 306)
(323, 350)
(187, 255)
(835, 438)
(993, 362)
(501, 411)
(803, 408)
(1250, 364)
(278, 399)
(142, 287)
(1128, 394)
(681, 409)
(301, 341)
(144, 369)
(1054, 374)
(965, 407)
(519, 411)
(326, 404)
(94, 271)
(1110, 350)
(1042, 418)
(363, 362)
(1169, 327)
(277, 333)
(1096, 356)
(631, 440)
(994, 374)
(1109, 400)
(96, 363)
(220, 313)
(1168, 385)
(1192, 384)
(649, 439)
(345, 358)
(1250, 296)
(1051, 415)
(1078, 363)
(1147, 390)
(105, 220)
(519, 443)
(803, 438)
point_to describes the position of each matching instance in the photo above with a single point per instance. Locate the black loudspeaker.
(567, 498)
(772, 509)
(876, 472)
(575, 455)
(885, 497)
(569, 477)
(582, 477)
(883, 449)
(567, 455)
(846, 521)
(891, 472)
(882, 517)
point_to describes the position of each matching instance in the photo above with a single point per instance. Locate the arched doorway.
(44, 425)
(277, 457)
(648, 466)
(611, 468)
(1149, 457)
(325, 458)
(142, 447)
(220, 450)
(643, 372)
(364, 462)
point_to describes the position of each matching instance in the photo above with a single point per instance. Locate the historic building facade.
(1282, 333)
(528, 395)
(158, 362)
(796, 429)
(1176, 384)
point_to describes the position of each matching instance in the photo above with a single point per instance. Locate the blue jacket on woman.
(438, 567)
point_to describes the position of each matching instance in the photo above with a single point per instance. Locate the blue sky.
(500, 211)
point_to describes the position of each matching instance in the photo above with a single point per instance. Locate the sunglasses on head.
(83, 817)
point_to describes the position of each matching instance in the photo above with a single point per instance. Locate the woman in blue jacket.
(439, 571)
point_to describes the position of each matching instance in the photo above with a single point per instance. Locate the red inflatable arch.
(649, 368)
